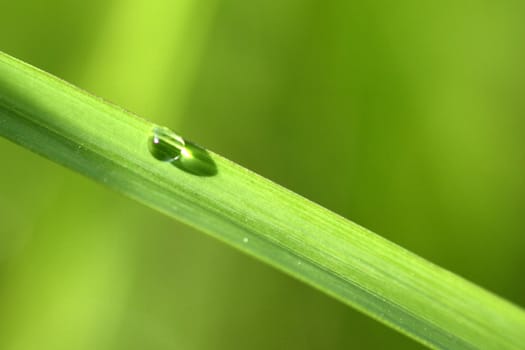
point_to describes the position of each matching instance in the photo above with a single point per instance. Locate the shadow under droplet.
(195, 160)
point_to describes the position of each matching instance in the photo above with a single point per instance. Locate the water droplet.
(245, 239)
(167, 146)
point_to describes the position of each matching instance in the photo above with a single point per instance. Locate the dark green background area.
(404, 117)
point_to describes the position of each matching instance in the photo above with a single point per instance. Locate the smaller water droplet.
(167, 146)
(245, 239)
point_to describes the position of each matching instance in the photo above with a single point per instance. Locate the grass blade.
(383, 280)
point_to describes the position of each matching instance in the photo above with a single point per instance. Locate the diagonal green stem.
(383, 280)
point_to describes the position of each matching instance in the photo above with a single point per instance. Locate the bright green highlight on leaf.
(162, 170)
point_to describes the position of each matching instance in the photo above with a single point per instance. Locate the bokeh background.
(404, 116)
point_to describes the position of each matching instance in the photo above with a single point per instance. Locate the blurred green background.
(406, 117)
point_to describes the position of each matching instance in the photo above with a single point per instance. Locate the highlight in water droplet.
(167, 146)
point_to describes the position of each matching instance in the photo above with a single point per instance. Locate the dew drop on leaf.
(167, 146)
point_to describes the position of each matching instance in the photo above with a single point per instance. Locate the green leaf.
(255, 215)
